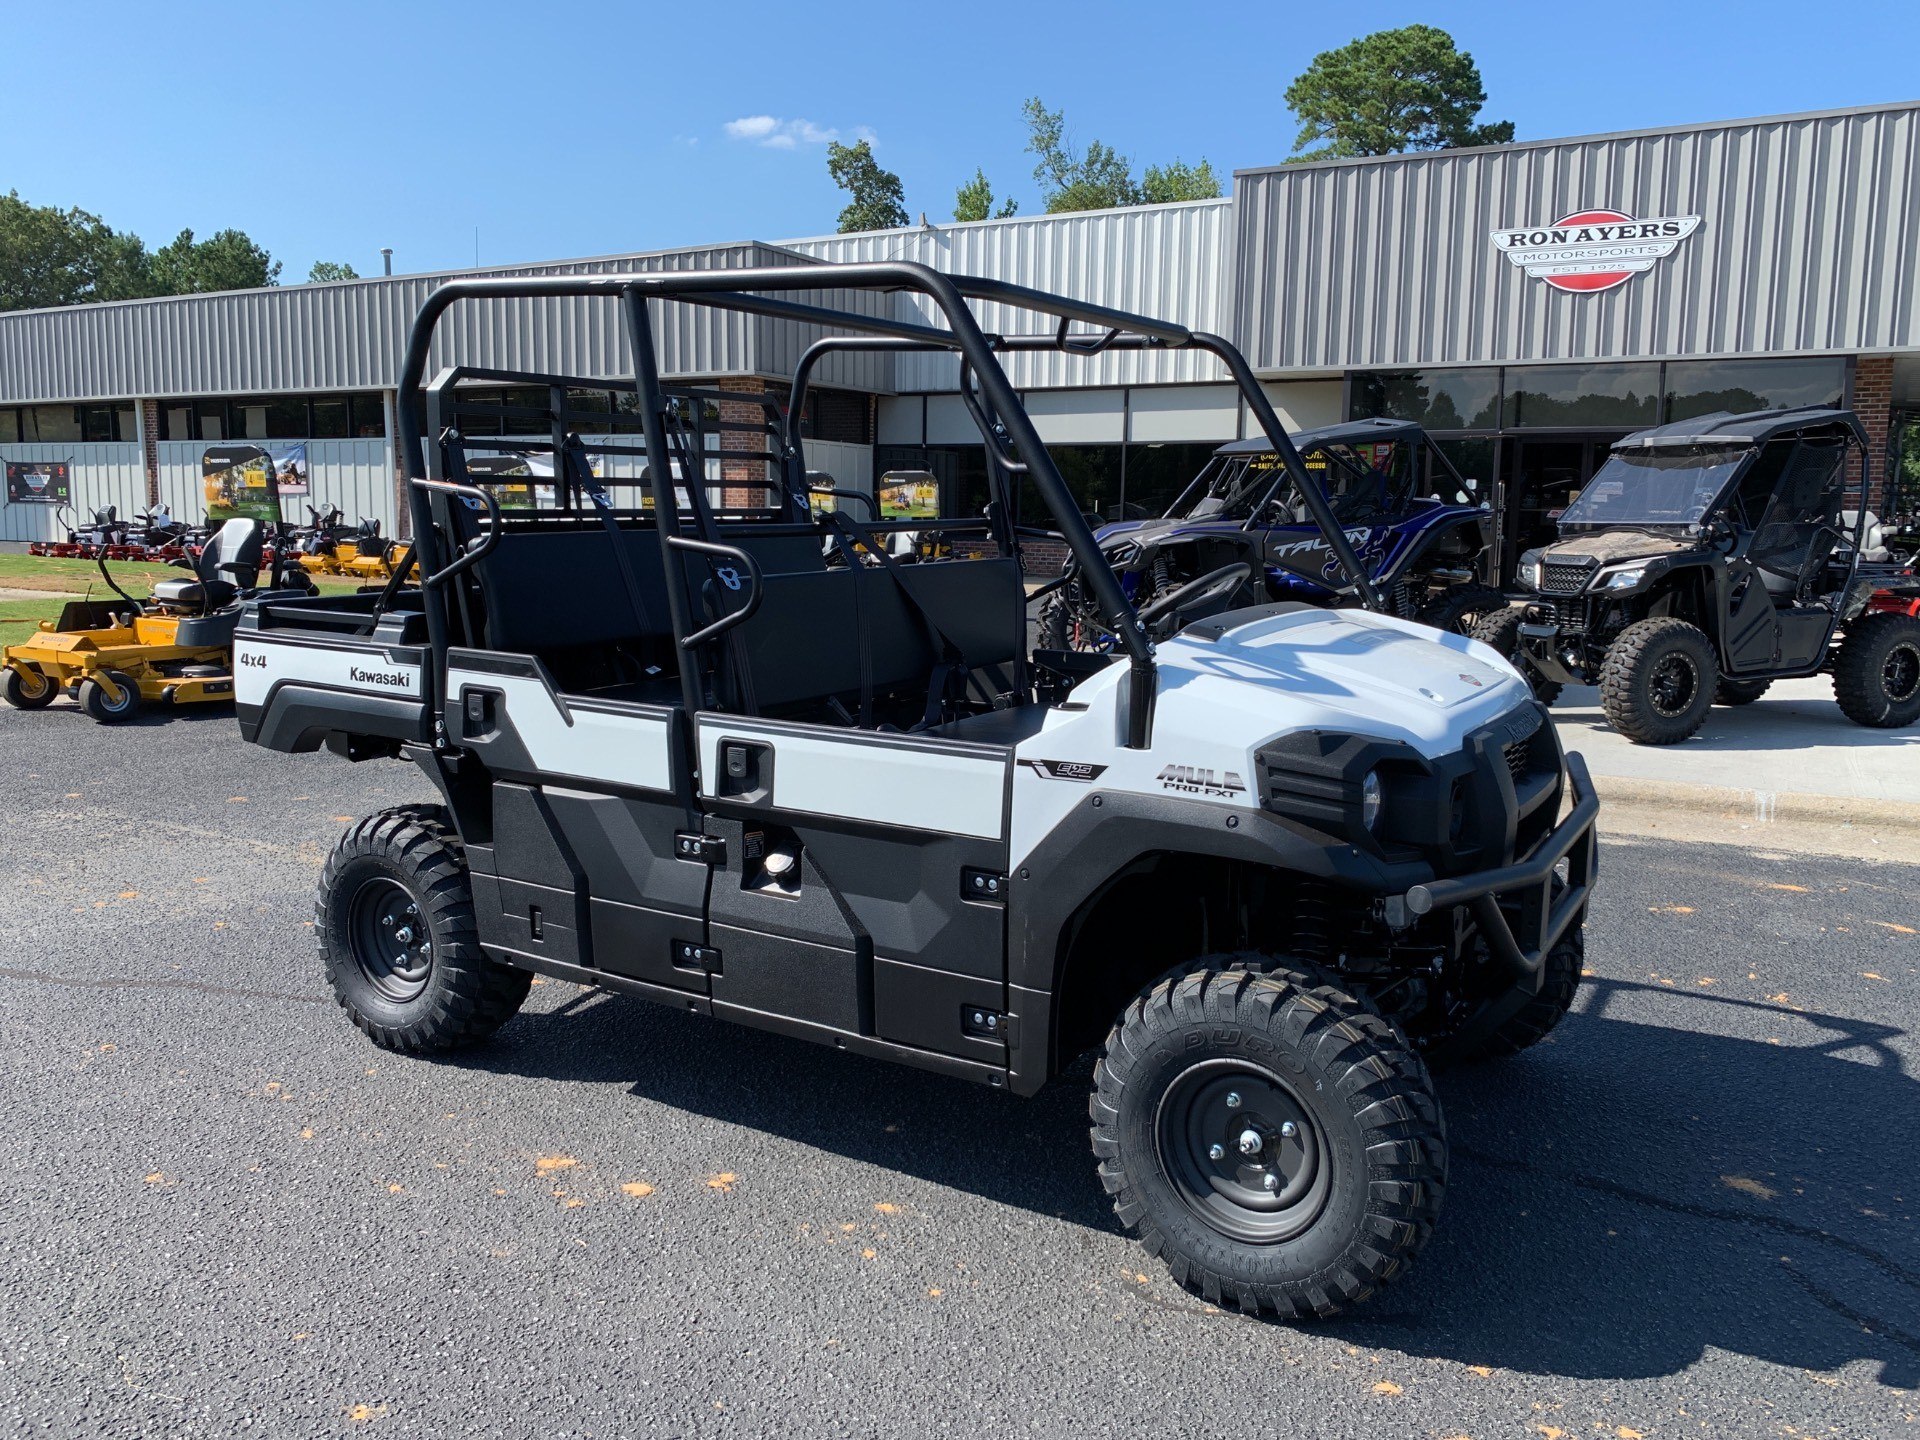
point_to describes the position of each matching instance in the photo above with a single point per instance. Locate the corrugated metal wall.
(1809, 230)
(350, 336)
(1169, 261)
(356, 475)
(101, 474)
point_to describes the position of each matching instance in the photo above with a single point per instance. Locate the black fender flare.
(1100, 841)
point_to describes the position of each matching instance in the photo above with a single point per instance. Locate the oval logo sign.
(1593, 250)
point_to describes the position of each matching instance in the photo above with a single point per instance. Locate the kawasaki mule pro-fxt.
(1263, 865)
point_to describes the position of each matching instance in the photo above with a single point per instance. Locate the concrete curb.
(1756, 807)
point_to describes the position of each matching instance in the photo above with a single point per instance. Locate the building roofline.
(1698, 127)
(509, 268)
(1006, 220)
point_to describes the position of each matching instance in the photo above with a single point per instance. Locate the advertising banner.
(241, 481)
(39, 482)
(511, 479)
(909, 495)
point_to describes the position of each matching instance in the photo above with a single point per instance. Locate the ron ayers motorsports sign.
(1592, 250)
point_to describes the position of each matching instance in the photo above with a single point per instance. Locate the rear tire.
(1740, 692)
(28, 689)
(1876, 675)
(93, 698)
(395, 927)
(1501, 630)
(1247, 1070)
(1056, 623)
(1460, 608)
(1658, 681)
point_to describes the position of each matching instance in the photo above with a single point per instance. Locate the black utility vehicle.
(1707, 559)
(718, 751)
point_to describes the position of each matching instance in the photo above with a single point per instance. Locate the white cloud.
(772, 133)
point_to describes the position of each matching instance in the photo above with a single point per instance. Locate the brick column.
(150, 449)
(734, 473)
(1873, 403)
(396, 453)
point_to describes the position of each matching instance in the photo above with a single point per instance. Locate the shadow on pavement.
(1622, 1198)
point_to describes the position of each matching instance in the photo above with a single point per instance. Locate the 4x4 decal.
(1079, 770)
(1199, 780)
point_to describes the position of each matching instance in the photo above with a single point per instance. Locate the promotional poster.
(39, 482)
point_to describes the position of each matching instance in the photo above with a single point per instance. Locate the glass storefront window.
(1574, 397)
(1473, 458)
(1702, 387)
(1156, 474)
(1437, 399)
(50, 422)
(331, 420)
(369, 415)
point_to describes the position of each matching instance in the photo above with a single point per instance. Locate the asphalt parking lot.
(1692, 1212)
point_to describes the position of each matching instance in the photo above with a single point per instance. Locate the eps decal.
(1079, 770)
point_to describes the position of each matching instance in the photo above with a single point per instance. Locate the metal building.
(1530, 303)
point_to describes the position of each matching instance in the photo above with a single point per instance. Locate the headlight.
(1370, 800)
(1532, 571)
(1624, 579)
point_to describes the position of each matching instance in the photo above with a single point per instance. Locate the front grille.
(1518, 758)
(1566, 577)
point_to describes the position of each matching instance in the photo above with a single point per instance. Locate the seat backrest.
(805, 641)
(562, 589)
(233, 552)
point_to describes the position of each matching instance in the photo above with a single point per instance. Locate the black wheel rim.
(1900, 676)
(390, 940)
(1243, 1152)
(1675, 682)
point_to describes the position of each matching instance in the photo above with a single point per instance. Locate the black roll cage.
(1005, 425)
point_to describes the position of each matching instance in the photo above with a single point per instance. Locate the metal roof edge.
(1697, 127)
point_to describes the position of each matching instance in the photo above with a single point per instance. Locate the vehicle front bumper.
(1516, 907)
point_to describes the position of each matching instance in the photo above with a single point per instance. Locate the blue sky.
(328, 131)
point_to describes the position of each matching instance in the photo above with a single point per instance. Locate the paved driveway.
(223, 1212)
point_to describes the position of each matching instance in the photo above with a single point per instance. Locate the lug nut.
(1216, 1152)
(1233, 1100)
(1272, 1181)
(1288, 1130)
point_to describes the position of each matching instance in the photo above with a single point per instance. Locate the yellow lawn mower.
(176, 646)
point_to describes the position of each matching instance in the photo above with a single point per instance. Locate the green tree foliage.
(65, 257)
(1100, 177)
(1392, 91)
(974, 201)
(1164, 184)
(226, 260)
(325, 270)
(877, 200)
(70, 257)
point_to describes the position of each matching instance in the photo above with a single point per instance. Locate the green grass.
(78, 577)
(19, 617)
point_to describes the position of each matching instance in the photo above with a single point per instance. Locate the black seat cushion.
(197, 594)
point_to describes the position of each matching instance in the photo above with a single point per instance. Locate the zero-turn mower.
(176, 646)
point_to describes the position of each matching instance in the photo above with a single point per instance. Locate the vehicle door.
(861, 887)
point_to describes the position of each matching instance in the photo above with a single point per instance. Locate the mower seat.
(234, 548)
(196, 594)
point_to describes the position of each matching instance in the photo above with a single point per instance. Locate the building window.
(1156, 474)
(44, 423)
(1702, 387)
(1581, 397)
(1437, 399)
(369, 415)
(332, 418)
(9, 427)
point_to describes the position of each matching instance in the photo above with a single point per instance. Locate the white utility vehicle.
(717, 750)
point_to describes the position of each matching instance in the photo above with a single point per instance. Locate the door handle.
(746, 771)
